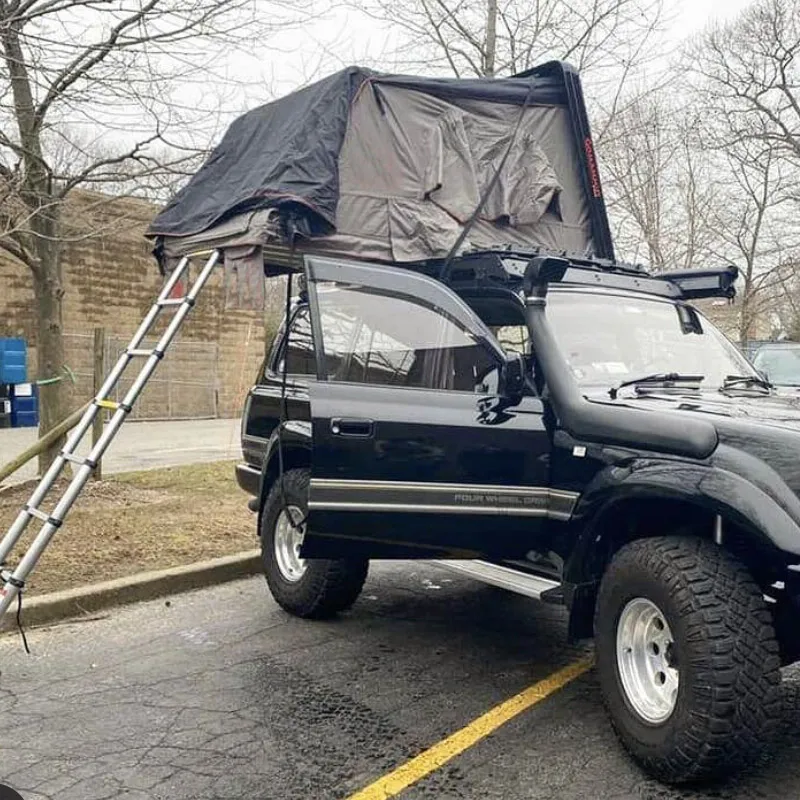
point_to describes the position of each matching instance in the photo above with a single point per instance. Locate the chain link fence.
(185, 384)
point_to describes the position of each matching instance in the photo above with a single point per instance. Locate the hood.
(781, 409)
(761, 427)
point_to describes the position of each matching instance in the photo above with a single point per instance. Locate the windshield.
(781, 365)
(608, 339)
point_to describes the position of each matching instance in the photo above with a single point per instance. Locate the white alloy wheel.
(646, 661)
(289, 535)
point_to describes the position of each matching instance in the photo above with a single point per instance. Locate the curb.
(85, 600)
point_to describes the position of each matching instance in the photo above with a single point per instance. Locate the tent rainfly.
(389, 168)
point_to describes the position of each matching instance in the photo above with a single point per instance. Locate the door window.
(397, 340)
(298, 347)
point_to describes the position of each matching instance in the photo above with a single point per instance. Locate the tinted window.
(298, 347)
(400, 341)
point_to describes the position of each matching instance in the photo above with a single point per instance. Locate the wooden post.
(48, 440)
(99, 376)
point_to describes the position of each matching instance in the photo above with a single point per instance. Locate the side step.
(511, 579)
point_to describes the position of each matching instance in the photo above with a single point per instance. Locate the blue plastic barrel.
(13, 361)
(24, 405)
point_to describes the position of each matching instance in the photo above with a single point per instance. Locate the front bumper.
(248, 477)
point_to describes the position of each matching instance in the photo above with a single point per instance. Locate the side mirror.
(512, 378)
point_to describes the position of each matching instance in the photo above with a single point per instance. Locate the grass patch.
(139, 521)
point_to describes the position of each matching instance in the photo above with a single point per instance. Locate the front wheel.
(687, 658)
(310, 588)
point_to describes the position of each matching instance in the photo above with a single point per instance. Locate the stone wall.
(111, 281)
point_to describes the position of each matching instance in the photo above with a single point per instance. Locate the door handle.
(348, 426)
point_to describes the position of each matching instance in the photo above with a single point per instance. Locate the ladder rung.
(10, 586)
(113, 405)
(84, 462)
(39, 514)
(146, 353)
(7, 579)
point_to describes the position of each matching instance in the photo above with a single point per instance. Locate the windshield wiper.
(732, 381)
(657, 377)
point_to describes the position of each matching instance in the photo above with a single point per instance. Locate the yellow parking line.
(439, 754)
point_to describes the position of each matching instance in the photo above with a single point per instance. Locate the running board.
(511, 579)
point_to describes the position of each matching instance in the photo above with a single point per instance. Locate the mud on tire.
(728, 703)
(323, 587)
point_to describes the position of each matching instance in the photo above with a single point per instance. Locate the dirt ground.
(139, 521)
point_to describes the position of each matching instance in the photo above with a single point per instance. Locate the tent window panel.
(450, 178)
(462, 154)
(527, 187)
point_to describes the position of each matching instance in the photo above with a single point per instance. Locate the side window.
(298, 350)
(400, 341)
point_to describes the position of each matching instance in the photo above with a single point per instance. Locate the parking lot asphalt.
(219, 694)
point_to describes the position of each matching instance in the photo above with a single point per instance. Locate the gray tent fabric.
(388, 168)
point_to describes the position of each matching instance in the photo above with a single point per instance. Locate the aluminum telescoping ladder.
(12, 583)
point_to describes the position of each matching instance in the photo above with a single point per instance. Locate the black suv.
(572, 430)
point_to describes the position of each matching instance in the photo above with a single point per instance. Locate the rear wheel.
(687, 658)
(311, 588)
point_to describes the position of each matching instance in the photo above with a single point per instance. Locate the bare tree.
(750, 75)
(501, 37)
(97, 93)
(784, 298)
(747, 80)
(682, 194)
(657, 176)
(754, 227)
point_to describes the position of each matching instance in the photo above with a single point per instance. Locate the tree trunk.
(491, 39)
(49, 291)
(36, 192)
(746, 309)
(745, 315)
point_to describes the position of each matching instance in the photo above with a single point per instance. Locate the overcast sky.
(346, 37)
(238, 81)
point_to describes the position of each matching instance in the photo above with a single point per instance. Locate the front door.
(415, 453)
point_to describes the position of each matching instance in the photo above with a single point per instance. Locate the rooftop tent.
(389, 168)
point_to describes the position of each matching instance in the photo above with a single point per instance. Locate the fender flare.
(295, 439)
(765, 514)
(770, 515)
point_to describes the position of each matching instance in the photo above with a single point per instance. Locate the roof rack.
(504, 267)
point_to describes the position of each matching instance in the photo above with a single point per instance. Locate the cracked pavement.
(219, 694)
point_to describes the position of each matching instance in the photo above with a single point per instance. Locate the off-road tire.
(728, 704)
(328, 586)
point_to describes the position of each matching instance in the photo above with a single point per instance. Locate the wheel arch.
(665, 499)
(292, 445)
